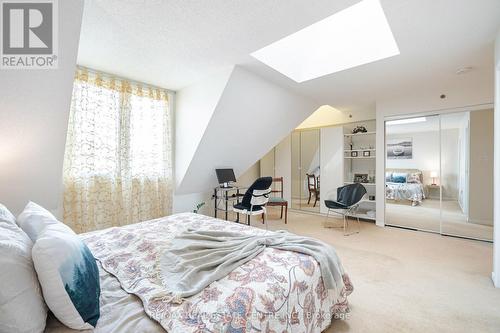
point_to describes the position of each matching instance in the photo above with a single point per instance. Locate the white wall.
(496, 204)
(195, 106)
(332, 163)
(187, 202)
(249, 176)
(481, 167)
(283, 166)
(239, 132)
(426, 153)
(326, 115)
(267, 164)
(34, 109)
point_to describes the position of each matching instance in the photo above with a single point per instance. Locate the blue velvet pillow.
(399, 177)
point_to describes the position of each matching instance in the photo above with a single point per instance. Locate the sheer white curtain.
(118, 159)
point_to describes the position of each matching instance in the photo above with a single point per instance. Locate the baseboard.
(497, 285)
(487, 223)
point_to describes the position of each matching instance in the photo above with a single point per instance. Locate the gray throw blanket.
(197, 258)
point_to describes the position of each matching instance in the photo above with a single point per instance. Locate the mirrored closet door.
(467, 174)
(413, 197)
(438, 174)
(306, 179)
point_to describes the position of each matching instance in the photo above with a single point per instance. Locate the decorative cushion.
(34, 219)
(22, 308)
(69, 276)
(388, 177)
(414, 178)
(399, 177)
(6, 215)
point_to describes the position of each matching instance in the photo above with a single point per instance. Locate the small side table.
(433, 191)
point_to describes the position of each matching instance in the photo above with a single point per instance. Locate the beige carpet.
(409, 281)
(427, 217)
(303, 205)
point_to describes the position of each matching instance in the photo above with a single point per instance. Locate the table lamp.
(434, 175)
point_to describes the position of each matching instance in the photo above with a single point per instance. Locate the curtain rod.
(94, 71)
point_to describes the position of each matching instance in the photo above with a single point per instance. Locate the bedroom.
(110, 141)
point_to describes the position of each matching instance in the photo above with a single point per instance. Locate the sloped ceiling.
(178, 43)
(251, 117)
(195, 106)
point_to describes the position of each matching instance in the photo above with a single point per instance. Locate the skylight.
(357, 35)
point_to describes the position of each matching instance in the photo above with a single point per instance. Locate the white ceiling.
(431, 124)
(175, 43)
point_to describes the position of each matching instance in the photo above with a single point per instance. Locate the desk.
(224, 196)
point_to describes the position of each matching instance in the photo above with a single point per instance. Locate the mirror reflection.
(306, 179)
(439, 172)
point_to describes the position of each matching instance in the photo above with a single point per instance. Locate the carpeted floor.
(426, 216)
(303, 205)
(408, 281)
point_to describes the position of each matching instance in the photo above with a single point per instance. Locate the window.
(117, 167)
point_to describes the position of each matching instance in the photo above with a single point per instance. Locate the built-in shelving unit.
(359, 134)
(365, 184)
(359, 164)
(361, 150)
(359, 157)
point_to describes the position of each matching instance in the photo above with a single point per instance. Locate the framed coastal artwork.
(400, 149)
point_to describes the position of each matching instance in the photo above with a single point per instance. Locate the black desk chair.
(255, 199)
(348, 198)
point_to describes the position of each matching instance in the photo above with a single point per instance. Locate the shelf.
(360, 134)
(369, 184)
(350, 150)
(359, 157)
(368, 201)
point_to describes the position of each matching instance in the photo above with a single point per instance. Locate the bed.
(276, 291)
(404, 185)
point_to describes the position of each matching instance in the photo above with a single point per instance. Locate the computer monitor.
(225, 176)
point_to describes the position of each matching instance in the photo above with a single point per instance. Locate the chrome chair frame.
(349, 198)
(350, 211)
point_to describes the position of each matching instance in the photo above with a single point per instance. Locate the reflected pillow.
(399, 177)
(414, 178)
(69, 276)
(388, 177)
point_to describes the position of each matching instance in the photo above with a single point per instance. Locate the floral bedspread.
(405, 191)
(278, 291)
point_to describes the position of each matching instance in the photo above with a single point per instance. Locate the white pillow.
(69, 276)
(34, 219)
(6, 215)
(22, 308)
